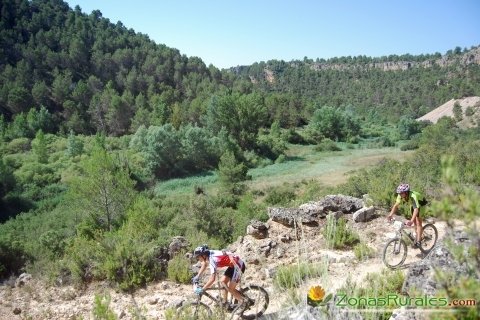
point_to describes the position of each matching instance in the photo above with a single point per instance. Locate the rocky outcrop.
(177, 245)
(310, 213)
(289, 217)
(364, 214)
(257, 229)
(421, 275)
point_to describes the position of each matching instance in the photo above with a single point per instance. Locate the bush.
(127, 262)
(179, 269)
(363, 252)
(338, 235)
(293, 276)
(375, 285)
(327, 145)
(101, 309)
(18, 145)
(410, 145)
(281, 195)
(12, 259)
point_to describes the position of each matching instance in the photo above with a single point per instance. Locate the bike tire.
(429, 238)
(260, 296)
(194, 311)
(395, 248)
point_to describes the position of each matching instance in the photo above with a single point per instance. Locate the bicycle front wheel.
(194, 311)
(260, 299)
(429, 238)
(394, 253)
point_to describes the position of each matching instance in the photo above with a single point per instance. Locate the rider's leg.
(225, 280)
(418, 228)
(231, 287)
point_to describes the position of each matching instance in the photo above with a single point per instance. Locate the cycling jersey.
(221, 259)
(413, 198)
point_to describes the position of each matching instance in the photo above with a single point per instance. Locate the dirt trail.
(36, 301)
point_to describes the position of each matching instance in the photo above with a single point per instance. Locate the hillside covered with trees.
(96, 118)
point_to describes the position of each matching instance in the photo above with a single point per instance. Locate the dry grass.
(331, 169)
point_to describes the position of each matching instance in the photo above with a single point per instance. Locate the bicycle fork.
(396, 246)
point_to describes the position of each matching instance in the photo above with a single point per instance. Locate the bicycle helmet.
(201, 250)
(404, 187)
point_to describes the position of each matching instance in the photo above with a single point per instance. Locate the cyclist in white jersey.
(219, 259)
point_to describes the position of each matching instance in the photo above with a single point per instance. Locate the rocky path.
(33, 300)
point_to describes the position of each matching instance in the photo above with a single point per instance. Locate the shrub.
(375, 285)
(362, 251)
(18, 145)
(101, 309)
(12, 259)
(460, 202)
(179, 269)
(410, 145)
(338, 235)
(280, 195)
(127, 262)
(292, 276)
(327, 145)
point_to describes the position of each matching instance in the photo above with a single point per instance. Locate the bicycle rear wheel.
(429, 238)
(260, 299)
(194, 311)
(394, 253)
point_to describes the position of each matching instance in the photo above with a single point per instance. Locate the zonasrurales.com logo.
(317, 297)
(390, 300)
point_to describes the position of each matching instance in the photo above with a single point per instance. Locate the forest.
(95, 118)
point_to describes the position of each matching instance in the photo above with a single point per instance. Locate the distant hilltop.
(470, 111)
(469, 57)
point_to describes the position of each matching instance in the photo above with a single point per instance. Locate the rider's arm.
(202, 269)
(394, 209)
(414, 215)
(210, 281)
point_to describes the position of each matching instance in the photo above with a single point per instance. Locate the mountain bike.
(395, 251)
(198, 309)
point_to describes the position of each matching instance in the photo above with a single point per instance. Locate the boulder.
(257, 229)
(178, 244)
(291, 216)
(364, 214)
(23, 279)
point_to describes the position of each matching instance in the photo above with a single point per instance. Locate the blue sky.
(228, 33)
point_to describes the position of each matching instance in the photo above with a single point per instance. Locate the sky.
(228, 33)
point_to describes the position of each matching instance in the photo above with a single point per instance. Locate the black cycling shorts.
(230, 272)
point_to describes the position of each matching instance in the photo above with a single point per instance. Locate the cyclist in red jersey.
(219, 259)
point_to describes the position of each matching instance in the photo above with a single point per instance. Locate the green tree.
(18, 99)
(332, 123)
(39, 147)
(457, 112)
(103, 192)
(232, 173)
(40, 120)
(74, 145)
(241, 115)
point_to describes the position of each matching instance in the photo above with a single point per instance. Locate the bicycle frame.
(400, 232)
(220, 286)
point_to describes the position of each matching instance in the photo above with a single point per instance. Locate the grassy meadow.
(302, 163)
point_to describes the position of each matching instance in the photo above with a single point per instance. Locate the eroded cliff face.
(466, 58)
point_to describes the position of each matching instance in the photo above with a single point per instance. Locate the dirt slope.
(446, 109)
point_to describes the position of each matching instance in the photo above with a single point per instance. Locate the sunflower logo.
(316, 296)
